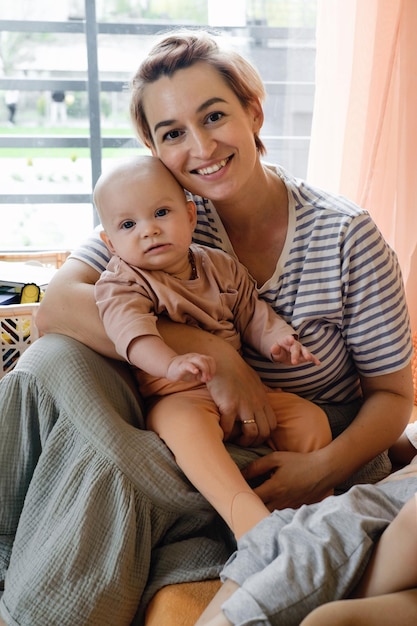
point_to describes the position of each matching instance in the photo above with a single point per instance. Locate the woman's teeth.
(213, 168)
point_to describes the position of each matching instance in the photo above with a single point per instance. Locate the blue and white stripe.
(337, 283)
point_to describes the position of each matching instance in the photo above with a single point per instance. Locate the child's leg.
(400, 607)
(213, 615)
(393, 565)
(188, 422)
(302, 426)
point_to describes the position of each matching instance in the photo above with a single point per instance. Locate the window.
(45, 150)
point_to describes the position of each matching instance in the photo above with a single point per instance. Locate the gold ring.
(248, 421)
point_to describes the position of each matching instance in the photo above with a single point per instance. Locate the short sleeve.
(94, 252)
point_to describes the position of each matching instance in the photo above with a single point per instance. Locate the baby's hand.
(190, 367)
(289, 350)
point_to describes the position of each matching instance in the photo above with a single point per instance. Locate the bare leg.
(218, 620)
(393, 565)
(400, 607)
(189, 424)
(213, 615)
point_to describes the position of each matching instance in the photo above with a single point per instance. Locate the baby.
(156, 271)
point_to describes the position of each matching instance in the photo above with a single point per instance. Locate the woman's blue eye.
(128, 224)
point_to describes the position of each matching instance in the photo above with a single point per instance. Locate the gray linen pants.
(95, 515)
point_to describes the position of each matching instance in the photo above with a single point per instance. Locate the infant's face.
(149, 222)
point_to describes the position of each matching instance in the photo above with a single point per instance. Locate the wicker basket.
(18, 331)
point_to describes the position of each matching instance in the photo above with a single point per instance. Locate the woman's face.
(201, 132)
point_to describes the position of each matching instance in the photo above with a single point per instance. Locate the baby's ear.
(104, 237)
(192, 212)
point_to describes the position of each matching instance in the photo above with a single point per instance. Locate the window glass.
(277, 36)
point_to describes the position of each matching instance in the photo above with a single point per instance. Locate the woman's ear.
(104, 237)
(257, 113)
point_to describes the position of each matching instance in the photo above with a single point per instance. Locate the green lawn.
(70, 152)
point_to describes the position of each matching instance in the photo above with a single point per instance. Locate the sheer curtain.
(364, 132)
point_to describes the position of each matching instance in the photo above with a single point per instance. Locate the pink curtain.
(364, 133)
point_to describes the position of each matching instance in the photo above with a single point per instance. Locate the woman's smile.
(206, 171)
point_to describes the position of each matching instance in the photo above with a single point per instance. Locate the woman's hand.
(295, 478)
(245, 414)
(236, 389)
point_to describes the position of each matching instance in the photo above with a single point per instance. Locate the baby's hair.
(125, 168)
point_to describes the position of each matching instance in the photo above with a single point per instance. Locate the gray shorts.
(294, 561)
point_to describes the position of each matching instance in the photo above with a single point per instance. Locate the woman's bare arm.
(69, 307)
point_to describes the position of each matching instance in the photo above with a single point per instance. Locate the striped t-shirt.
(337, 283)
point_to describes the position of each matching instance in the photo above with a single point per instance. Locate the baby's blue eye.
(128, 224)
(161, 212)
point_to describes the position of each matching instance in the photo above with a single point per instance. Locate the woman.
(318, 259)
(211, 143)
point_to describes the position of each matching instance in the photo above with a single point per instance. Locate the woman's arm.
(299, 478)
(388, 402)
(69, 307)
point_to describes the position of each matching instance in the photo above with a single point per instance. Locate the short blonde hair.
(182, 49)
